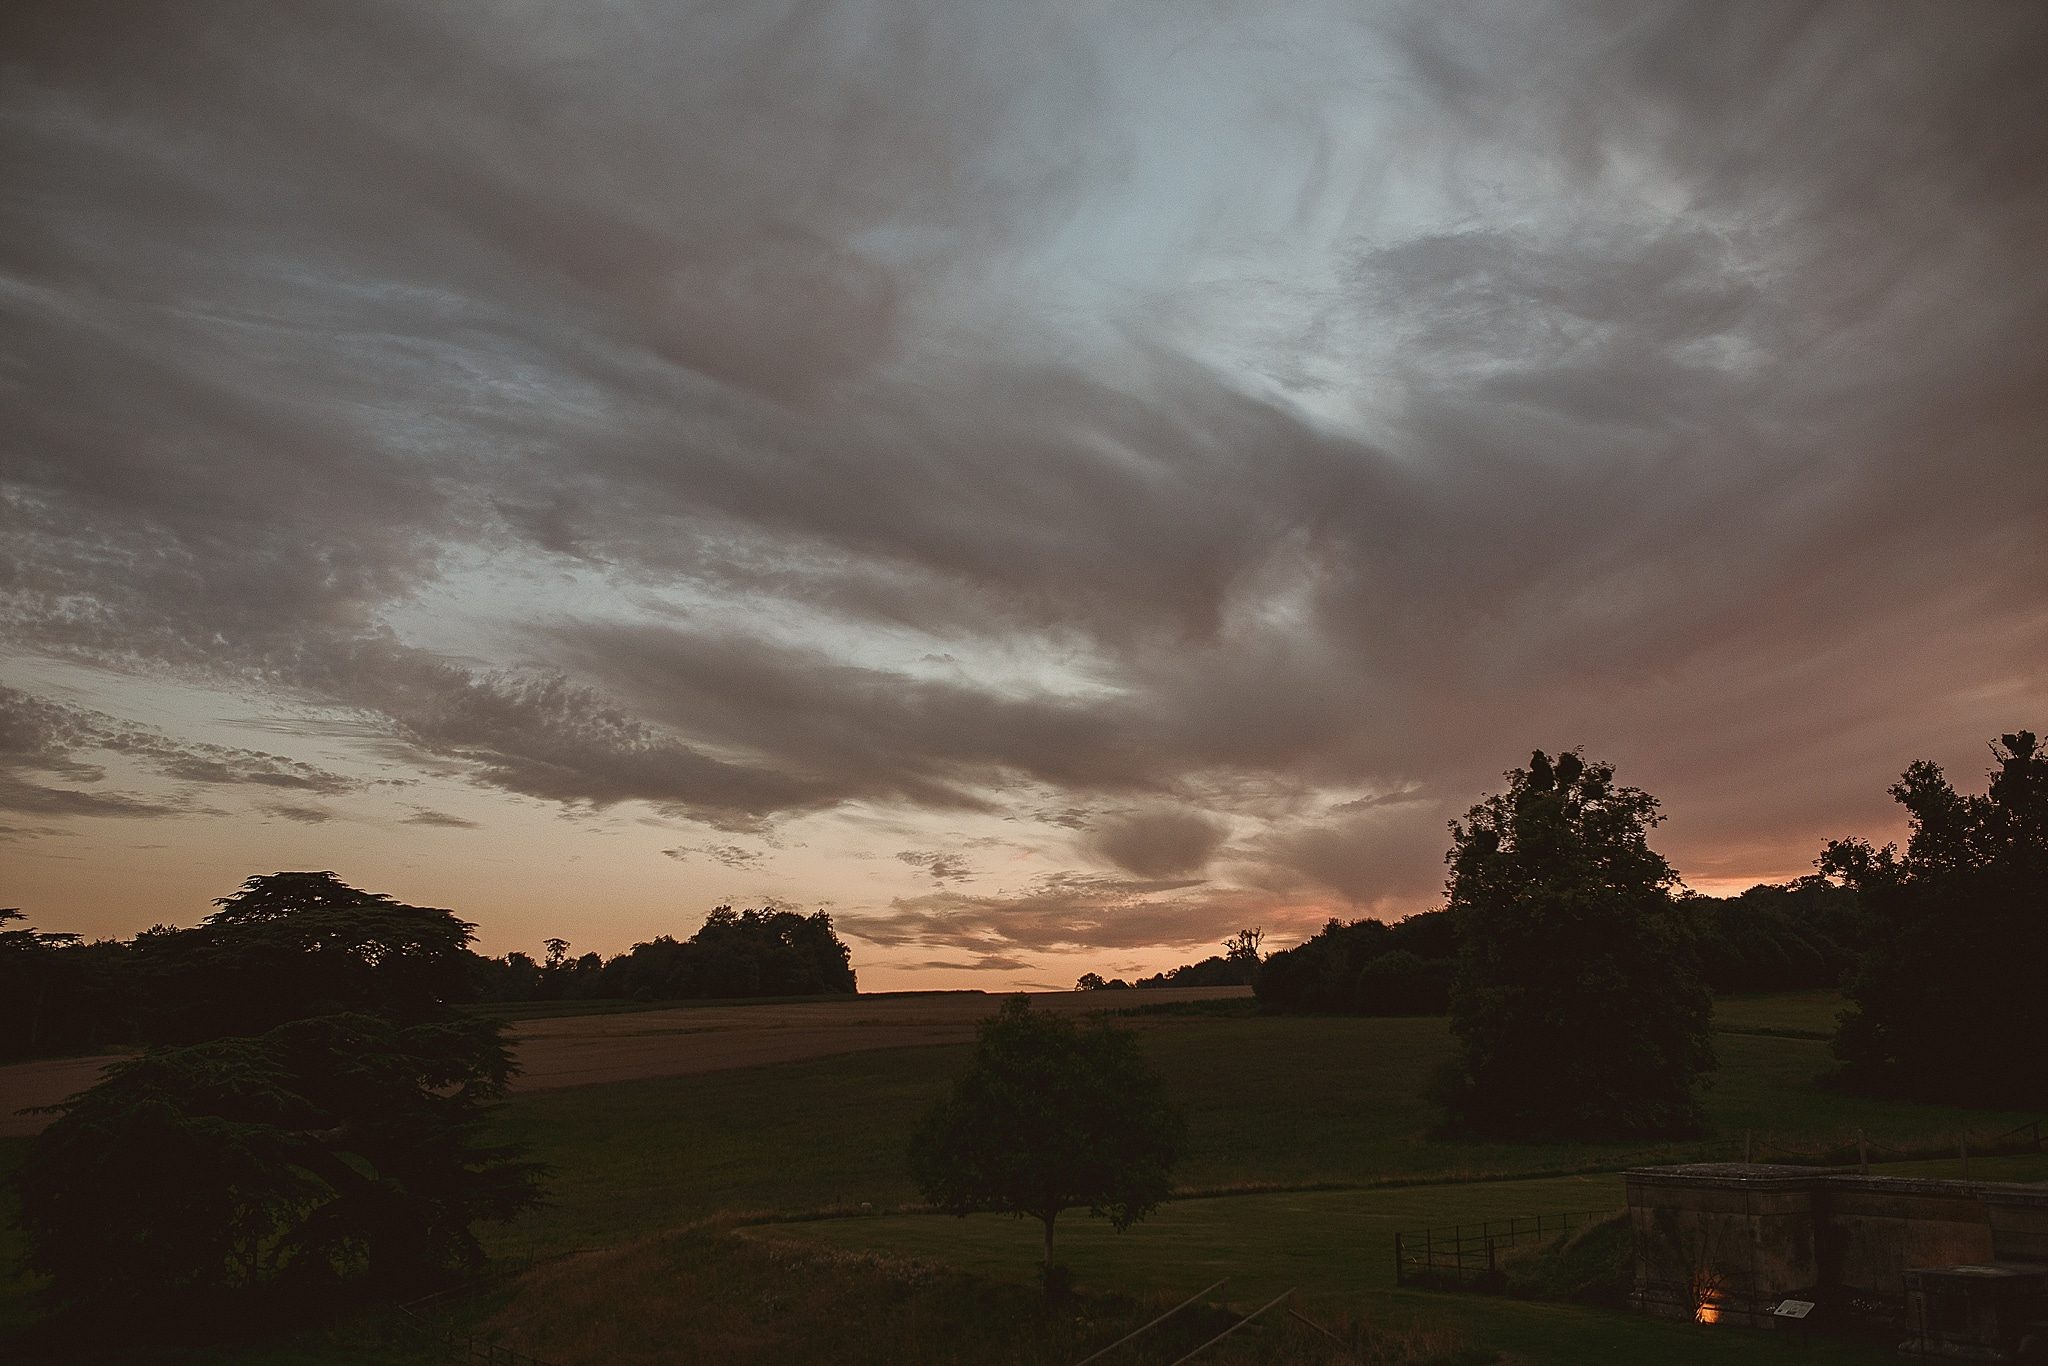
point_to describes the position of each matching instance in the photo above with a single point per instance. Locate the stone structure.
(1727, 1242)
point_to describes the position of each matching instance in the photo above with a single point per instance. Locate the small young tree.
(1050, 1115)
(1578, 1008)
(1948, 1002)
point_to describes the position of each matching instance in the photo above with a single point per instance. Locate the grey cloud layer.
(51, 763)
(953, 412)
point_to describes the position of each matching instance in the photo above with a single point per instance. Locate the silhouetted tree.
(737, 953)
(295, 945)
(1578, 1006)
(327, 1152)
(59, 995)
(1340, 972)
(1241, 950)
(1948, 1003)
(1048, 1116)
(28, 982)
(1807, 933)
(1213, 971)
(1399, 983)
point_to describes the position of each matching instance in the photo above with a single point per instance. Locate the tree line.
(1773, 937)
(734, 954)
(253, 965)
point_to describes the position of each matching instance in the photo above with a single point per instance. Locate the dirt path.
(588, 1050)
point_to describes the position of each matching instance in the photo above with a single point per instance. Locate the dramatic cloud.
(1159, 843)
(1212, 444)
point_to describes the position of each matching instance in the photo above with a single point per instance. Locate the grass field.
(556, 1010)
(1336, 1247)
(1799, 1014)
(1270, 1102)
(1318, 1123)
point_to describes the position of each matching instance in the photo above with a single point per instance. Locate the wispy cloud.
(1173, 432)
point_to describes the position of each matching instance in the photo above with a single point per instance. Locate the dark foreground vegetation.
(1949, 1003)
(308, 1138)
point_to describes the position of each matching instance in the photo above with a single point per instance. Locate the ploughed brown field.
(584, 1050)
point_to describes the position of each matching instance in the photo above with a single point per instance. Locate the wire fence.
(1467, 1256)
(465, 1349)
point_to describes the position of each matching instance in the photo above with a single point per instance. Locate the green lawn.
(17, 1288)
(1328, 1244)
(1336, 1248)
(1808, 1013)
(1284, 1101)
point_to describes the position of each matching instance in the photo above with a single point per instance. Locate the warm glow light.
(1706, 1292)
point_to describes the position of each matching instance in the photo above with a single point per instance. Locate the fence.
(474, 1351)
(1467, 1256)
(466, 1349)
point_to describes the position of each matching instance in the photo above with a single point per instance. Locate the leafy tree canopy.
(768, 952)
(293, 945)
(1578, 1007)
(326, 1153)
(1365, 967)
(1947, 1004)
(1050, 1115)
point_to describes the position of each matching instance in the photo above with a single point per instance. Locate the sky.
(1050, 483)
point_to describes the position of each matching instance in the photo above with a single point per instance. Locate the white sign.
(1793, 1309)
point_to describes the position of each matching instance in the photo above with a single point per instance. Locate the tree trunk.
(1048, 1237)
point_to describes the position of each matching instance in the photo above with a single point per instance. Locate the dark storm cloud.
(1698, 349)
(1163, 842)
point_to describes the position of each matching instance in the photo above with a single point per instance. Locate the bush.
(325, 1154)
(1594, 1264)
